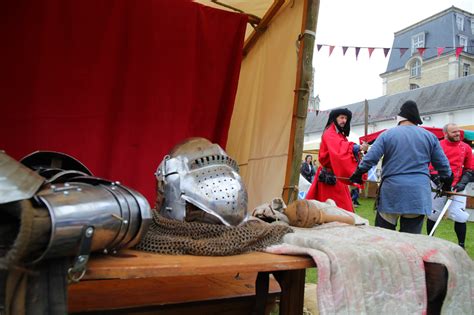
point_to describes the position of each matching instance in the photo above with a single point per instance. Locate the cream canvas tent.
(266, 132)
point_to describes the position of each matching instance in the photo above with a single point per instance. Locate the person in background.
(404, 192)
(338, 158)
(459, 155)
(307, 168)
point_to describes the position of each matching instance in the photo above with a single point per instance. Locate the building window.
(472, 25)
(460, 22)
(415, 68)
(414, 86)
(463, 42)
(417, 41)
(465, 69)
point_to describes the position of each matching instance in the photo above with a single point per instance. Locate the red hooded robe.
(336, 154)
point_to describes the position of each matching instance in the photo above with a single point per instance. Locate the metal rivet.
(89, 231)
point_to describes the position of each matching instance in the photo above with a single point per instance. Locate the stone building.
(439, 35)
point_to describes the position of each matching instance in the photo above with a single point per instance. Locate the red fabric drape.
(116, 84)
(438, 132)
(370, 138)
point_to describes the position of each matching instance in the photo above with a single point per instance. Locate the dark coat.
(307, 172)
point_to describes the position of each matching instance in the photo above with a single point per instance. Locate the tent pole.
(262, 26)
(300, 103)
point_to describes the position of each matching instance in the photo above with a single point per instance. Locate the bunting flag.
(371, 50)
(344, 49)
(331, 48)
(421, 51)
(403, 51)
(440, 51)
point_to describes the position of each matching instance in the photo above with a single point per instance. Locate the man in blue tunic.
(405, 191)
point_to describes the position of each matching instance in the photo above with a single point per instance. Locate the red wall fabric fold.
(116, 84)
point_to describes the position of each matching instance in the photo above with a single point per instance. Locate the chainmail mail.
(166, 236)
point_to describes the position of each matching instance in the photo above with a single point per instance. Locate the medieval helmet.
(198, 181)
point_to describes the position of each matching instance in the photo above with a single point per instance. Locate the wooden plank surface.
(131, 293)
(129, 264)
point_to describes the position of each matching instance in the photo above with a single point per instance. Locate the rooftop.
(443, 97)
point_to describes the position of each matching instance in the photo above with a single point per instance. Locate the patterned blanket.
(368, 270)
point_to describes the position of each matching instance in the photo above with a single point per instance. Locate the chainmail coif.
(167, 236)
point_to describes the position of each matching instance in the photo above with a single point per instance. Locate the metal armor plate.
(17, 182)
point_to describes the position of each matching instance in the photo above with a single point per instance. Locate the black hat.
(332, 119)
(409, 110)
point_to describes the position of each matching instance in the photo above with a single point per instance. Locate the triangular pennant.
(440, 51)
(458, 51)
(344, 49)
(402, 51)
(371, 50)
(385, 51)
(421, 50)
(331, 48)
(319, 46)
(357, 50)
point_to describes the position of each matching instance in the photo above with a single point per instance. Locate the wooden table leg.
(262, 284)
(292, 291)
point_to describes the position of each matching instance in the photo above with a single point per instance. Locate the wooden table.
(112, 282)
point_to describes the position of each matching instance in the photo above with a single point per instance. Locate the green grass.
(445, 230)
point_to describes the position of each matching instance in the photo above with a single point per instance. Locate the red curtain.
(116, 83)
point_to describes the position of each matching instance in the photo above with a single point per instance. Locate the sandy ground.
(310, 299)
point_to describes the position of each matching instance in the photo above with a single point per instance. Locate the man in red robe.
(338, 159)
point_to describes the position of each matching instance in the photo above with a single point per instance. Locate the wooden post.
(366, 132)
(366, 118)
(300, 104)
